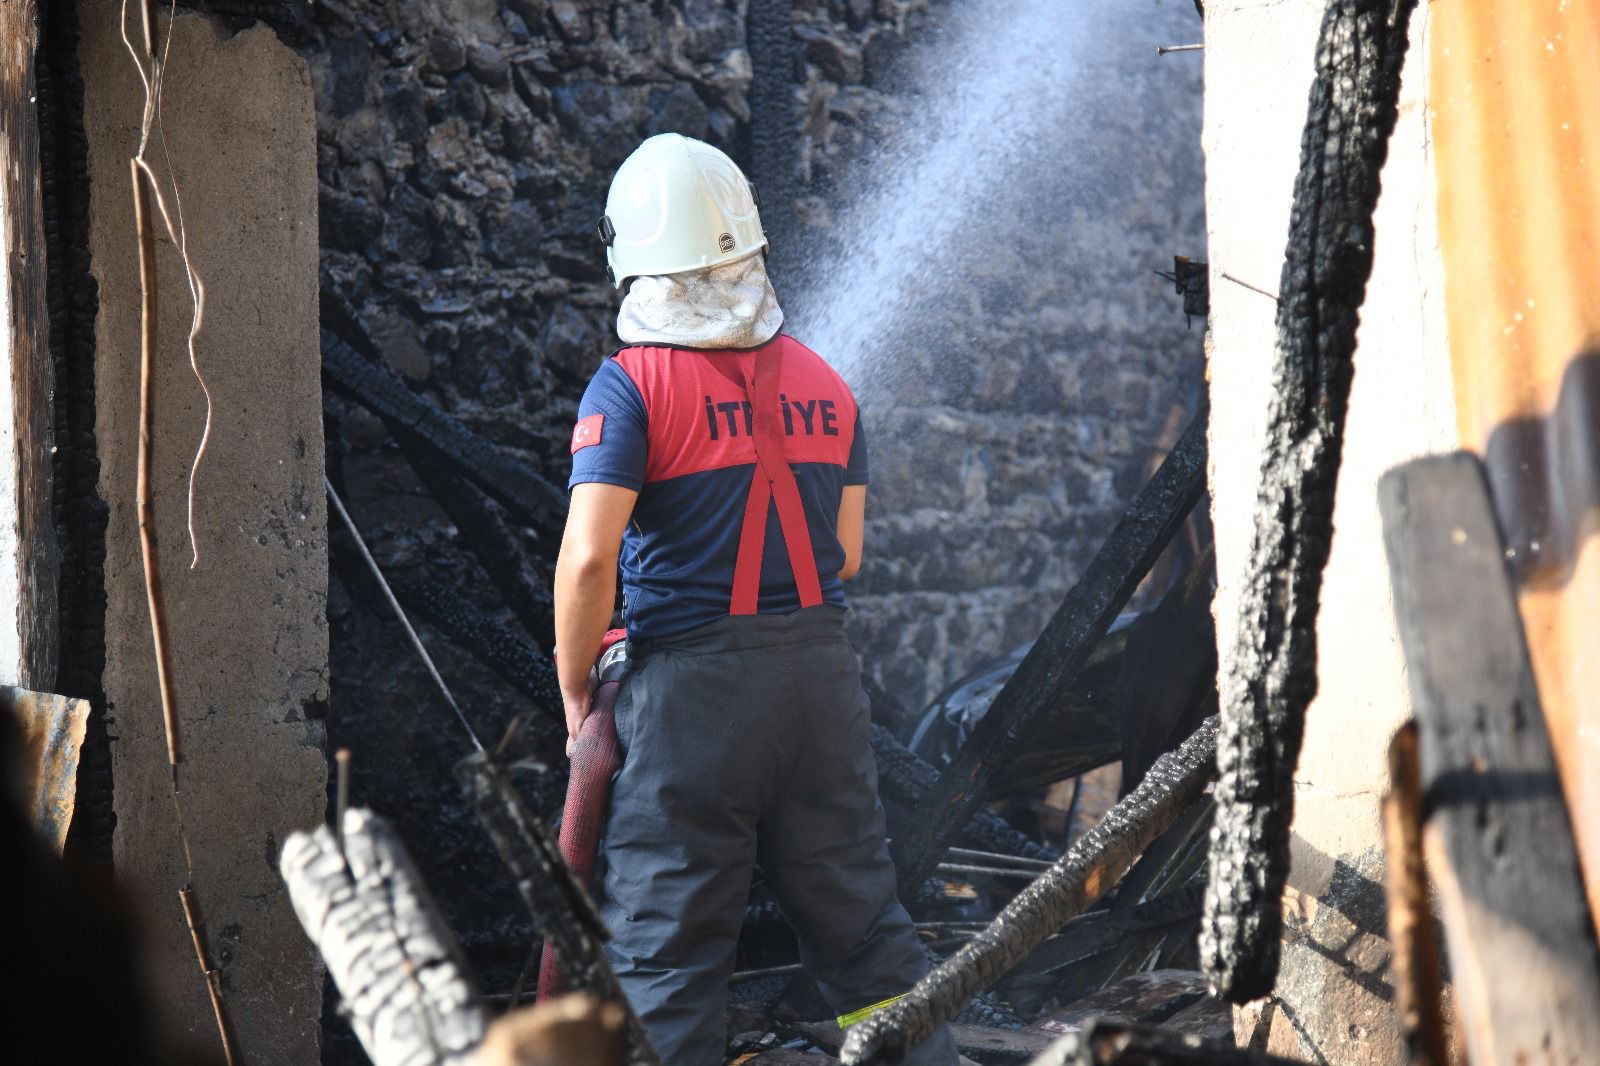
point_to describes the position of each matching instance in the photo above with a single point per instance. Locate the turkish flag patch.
(587, 432)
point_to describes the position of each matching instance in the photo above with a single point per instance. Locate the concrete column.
(1333, 998)
(248, 624)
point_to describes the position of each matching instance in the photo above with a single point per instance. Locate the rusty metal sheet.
(53, 728)
(1516, 139)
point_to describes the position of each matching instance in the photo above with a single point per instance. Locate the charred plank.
(1168, 683)
(905, 778)
(1267, 684)
(483, 525)
(1497, 832)
(32, 369)
(415, 421)
(509, 654)
(1043, 681)
(993, 1045)
(481, 520)
(1089, 934)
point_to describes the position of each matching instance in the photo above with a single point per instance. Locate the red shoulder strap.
(773, 480)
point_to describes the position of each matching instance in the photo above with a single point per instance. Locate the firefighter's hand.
(577, 709)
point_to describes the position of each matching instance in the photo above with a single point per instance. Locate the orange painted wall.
(1516, 131)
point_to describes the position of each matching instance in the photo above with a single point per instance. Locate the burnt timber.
(527, 495)
(32, 367)
(1266, 686)
(560, 907)
(1496, 831)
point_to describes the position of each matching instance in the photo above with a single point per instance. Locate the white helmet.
(678, 204)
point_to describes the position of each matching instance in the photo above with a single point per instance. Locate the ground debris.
(1085, 873)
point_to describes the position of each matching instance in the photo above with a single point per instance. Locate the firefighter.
(725, 463)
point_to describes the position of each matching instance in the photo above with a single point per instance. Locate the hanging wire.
(399, 612)
(152, 69)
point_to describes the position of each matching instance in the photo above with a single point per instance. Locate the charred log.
(1083, 731)
(33, 549)
(397, 965)
(906, 779)
(1090, 868)
(1169, 683)
(483, 525)
(1268, 683)
(416, 422)
(78, 513)
(510, 655)
(482, 522)
(1090, 934)
(1043, 682)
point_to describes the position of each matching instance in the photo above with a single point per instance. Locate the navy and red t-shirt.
(675, 425)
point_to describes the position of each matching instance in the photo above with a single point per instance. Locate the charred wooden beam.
(509, 654)
(528, 496)
(80, 514)
(499, 647)
(407, 989)
(905, 778)
(1169, 678)
(1085, 873)
(1267, 684)
(1105, 1042)
(1497, 834)
(561, 909)
(481, 520)
(482, 524)
(993, 1045)
(27, 342)
(1044, 679)
(1090, 934)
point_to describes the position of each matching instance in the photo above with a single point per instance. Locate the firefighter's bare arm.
(586, 588)
(852, 517)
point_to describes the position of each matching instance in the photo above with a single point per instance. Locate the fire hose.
(596, 757)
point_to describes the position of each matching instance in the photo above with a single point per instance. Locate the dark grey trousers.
(748, 740)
